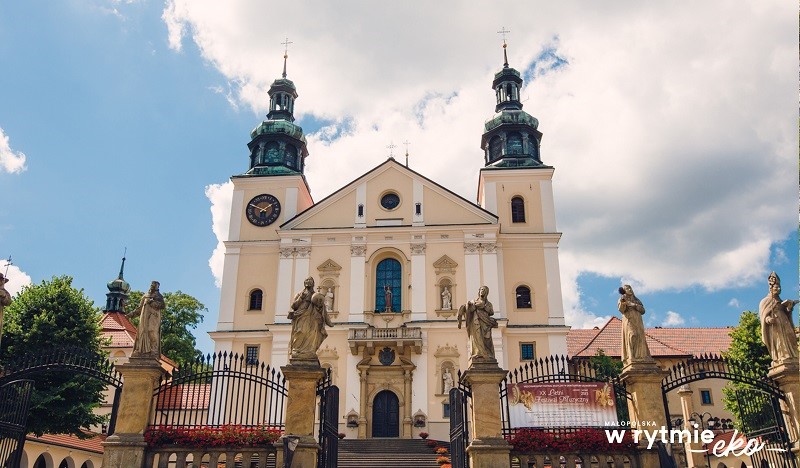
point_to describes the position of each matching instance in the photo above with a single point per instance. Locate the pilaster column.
(488, 448)
(643, 382)
(301, 397)
(787, 374)
(408, 402)
(362, 415)
(418, 292)
(693, 459)
(126, 447)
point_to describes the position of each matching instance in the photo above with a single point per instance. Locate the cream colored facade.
(439, 239)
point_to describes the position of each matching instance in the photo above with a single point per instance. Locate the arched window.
(388, 273)
(523, 294)
(517, 210)
(272, 153)
(256, 299)
(495, 148)
(291, 157)
(514, 143)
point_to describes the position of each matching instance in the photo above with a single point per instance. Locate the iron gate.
(328, 422)
(15, 398)
(460, 395)
(759, 401)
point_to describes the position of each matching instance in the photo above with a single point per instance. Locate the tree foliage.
(181, 314)
(746, 351)
(605, 366)
(47, 316)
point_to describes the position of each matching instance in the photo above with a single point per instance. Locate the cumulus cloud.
(220, 196)
(673, 319)
(17, 279)
(11, 161)
(671, 156)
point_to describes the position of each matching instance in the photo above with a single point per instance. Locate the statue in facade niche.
(634, 341)
(447, 381)
(329, 300)
(447, 299)
(309, 318)
(777, 329)
(387, 297)
(479, 322)
(5, 300)
(148, 336)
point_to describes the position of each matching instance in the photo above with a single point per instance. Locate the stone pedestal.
(693, 459)
(301, 380)
(488, 448)
(125, 448)
(643, 383)
(787, 374)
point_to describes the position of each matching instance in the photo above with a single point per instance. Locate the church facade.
(395, 255)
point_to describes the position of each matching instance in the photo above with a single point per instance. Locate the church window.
(446, 410)
(360, 210)
(523, 294)
(517, 210)
(273, 152)
(256, 299)
(388, 273)
(390, 201)
(527, 351)
(514, 143)
(495, 148)
(251, 355)
(418, 208)
(291, 157)
(705, 397)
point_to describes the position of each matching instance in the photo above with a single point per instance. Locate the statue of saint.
(777, 329)
(479, 323)
(387, 297)
(329, 300)
(447, 299)
(309, 317)
(447, 381)
(634, 343)
(5, 300)
(148, 336)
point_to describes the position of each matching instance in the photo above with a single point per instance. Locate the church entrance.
(386, 415)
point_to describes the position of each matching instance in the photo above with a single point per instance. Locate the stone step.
(395, 453)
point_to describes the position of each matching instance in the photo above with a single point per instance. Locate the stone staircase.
(394, 453)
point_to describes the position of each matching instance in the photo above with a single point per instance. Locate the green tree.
(47, 316)
(605, 366)
(748, 354)
(181, 314)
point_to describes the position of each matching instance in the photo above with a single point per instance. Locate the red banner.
(579, 404)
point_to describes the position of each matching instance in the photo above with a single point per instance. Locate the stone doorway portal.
(386, 415)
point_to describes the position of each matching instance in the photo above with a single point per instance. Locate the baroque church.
(395, 254)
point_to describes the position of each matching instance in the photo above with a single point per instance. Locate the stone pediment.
(328, 353)
(447, 351)
(444, 265)
(329, 267)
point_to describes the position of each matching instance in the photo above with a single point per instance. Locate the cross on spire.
(8, 264)
(391, 147)
(504, 31)
(406, 143)
(285, 43)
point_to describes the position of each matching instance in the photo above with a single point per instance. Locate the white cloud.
(734, 303)
(675, 163)
(673, 319)
(11, 161)
(220, 196)
(17, 279)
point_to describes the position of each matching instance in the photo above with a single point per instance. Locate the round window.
(390, 201)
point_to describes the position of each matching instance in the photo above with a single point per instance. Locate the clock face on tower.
(263, 210)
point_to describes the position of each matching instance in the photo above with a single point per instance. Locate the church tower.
(271, 191)
(517, 186)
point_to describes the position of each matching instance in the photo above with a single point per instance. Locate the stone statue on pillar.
(777, 329)
(634, 341)
(5, 300)
(479, 322)
(309, 318)
(148, 336)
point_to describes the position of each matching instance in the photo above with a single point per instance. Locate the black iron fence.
(560, 369)
(14, 404)
(219, 390)
(328, 422)
(459, 422)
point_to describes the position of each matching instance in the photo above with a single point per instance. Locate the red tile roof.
(118, 327)
(663, 342)
(187, 396)
(92, 444)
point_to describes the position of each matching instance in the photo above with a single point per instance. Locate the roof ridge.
(599, 331)
(666, 345)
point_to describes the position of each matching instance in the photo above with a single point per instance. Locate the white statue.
(329, 300)
(447, 381)
(447, 299)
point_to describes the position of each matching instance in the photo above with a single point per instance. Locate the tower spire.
(285, 43)
(118, 290)
(122, 267)
(504, 31)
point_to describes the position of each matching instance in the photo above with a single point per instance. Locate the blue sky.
(673, 134)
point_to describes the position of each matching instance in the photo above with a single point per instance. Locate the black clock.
(263, 210)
